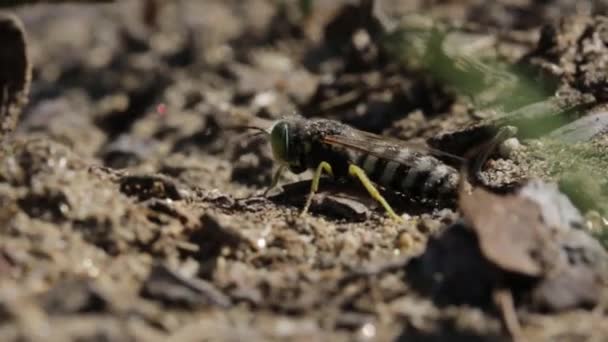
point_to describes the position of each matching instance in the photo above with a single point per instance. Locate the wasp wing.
(381, 146)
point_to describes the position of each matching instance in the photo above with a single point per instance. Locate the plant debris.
(534, 237)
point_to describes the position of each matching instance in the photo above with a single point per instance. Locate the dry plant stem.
(599, 315)
(504, 300)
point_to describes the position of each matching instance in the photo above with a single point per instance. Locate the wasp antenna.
(255, 134)
(258, 129)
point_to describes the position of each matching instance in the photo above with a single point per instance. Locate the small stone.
(509, 146)
(405, 241)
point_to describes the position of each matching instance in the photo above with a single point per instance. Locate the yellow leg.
(357, 172)
(275, 179)
(323, 166)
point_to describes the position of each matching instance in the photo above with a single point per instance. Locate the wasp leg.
(275, 179)
(503, 134)
(323, 166)
(357, 172)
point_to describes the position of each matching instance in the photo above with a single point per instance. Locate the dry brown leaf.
(510, 231)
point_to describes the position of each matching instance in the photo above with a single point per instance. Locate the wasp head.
(285, 143)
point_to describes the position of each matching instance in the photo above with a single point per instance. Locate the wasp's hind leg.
(275, 179)
(314, 186)
(357, 172)
(485, 150)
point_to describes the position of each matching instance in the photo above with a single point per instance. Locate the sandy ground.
(129, 210)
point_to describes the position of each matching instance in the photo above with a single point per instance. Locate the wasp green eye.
(279, 139)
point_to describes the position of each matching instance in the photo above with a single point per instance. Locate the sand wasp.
(341, 151)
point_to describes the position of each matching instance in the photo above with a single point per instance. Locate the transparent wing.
(381, 146)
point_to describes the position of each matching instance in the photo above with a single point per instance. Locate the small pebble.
(509, 146)
(405, 241)
(368, 331)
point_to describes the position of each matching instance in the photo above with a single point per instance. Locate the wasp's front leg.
(275, 179)
(323, 166)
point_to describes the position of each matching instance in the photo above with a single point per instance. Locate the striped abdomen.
(407, 171)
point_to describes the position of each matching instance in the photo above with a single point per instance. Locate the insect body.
(342, 151)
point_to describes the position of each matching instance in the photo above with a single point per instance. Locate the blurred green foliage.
(419, 44)
(522, 98)
(306, 7)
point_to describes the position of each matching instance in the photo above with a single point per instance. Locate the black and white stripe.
(417, 173)
(407, 171)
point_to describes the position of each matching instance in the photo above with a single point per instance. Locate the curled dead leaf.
(510, 231)
(537, 232)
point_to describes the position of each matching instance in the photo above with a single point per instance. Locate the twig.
(504, 301)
